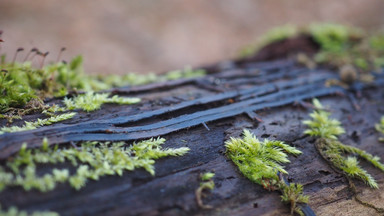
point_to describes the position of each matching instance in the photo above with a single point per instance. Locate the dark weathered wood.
(252, 99)
(171, 190)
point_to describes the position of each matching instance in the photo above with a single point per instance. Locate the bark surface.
(202, 113)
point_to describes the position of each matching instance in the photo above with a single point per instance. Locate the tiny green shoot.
(206, 184)
(380, 128)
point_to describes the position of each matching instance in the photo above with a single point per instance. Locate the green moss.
(339, 45)
(23, 89)
(92, 160)
(333, 37)
(321, 125)
(13, 211)
(261, 162)
(376, 42)
(342, 157)
(38, 123)
(21, 82)
(14, 93)
(380, 128)
(207, 176)
(109, 81)
(187, 72)
(293, 194)
(92, 101)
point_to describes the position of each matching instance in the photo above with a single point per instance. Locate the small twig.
(206, 126)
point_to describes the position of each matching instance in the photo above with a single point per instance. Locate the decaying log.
(182, 111)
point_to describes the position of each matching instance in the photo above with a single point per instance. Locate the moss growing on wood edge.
(339, 155)
(38, 123)
(13, 211)
(91, 101)
(260, 162)
(339, 45)
(20, 82)
(92, 161)
(88, 102)
(24, 87)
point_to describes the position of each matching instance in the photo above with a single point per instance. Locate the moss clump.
(20, 82)
(333, 37)
(342, 45)
(92, 161)
(13, 94)
(260, 162)
(92, 101)
(132, 79)
(340, 156)
(339, 45)
(321, 125)
(13, 211)
(380, 128)
(38, 123)
(23, 88)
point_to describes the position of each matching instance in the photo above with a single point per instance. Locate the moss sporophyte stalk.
(261, 162)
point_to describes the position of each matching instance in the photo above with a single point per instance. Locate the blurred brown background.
(117, 36)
